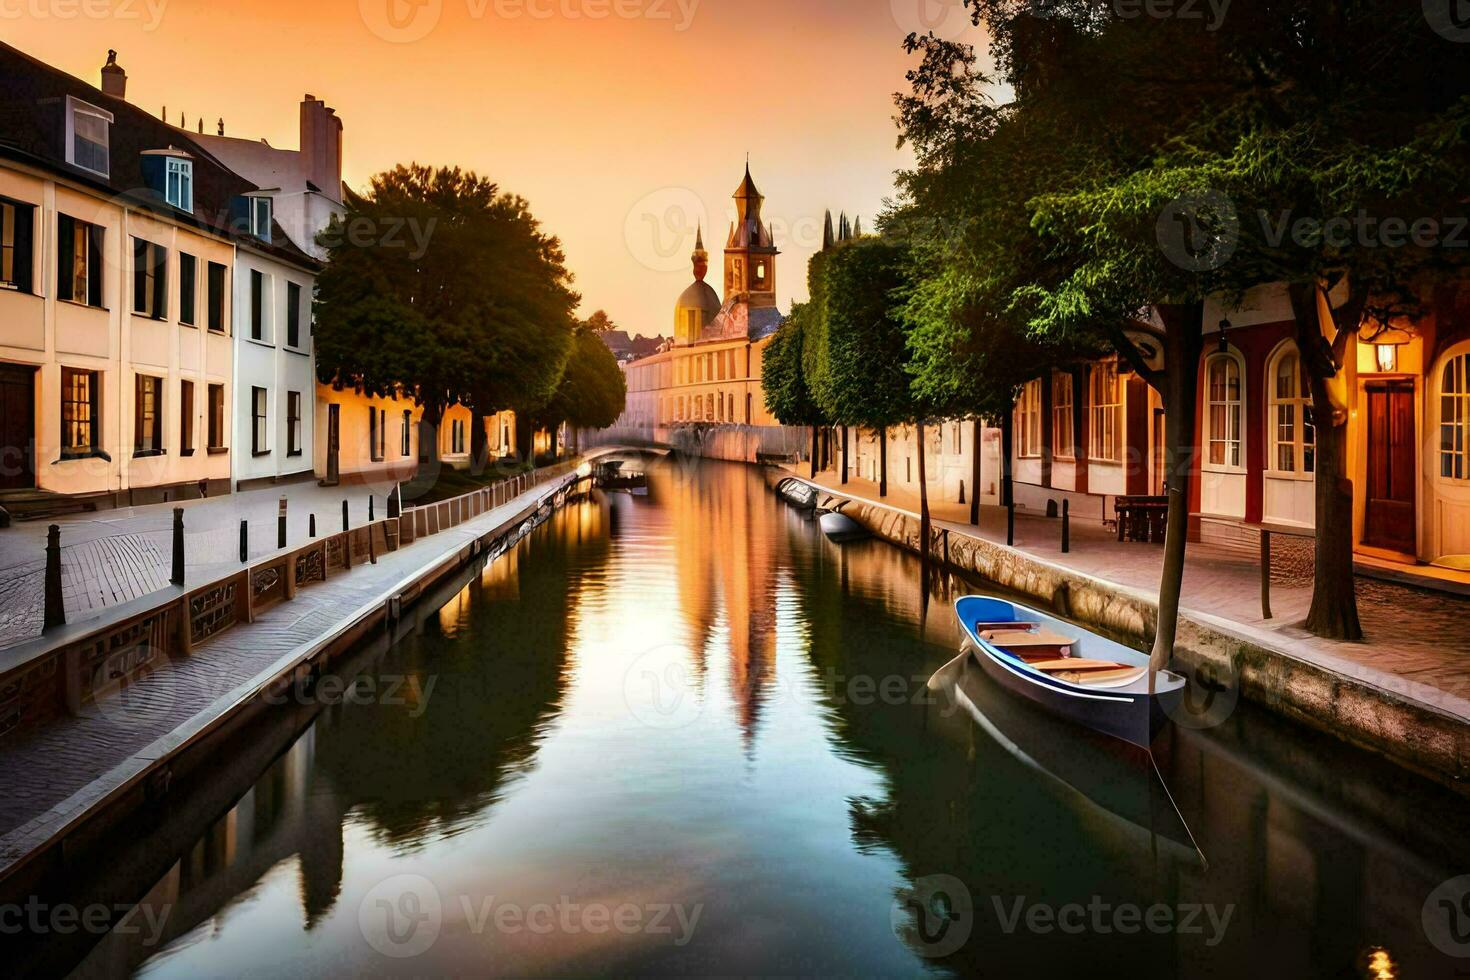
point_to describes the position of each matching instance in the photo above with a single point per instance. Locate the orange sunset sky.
(622, 121)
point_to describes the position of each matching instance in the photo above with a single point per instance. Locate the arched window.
(1293, 437)
(1223, 415)
(1454, 418)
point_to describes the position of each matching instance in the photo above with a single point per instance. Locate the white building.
(275, 278)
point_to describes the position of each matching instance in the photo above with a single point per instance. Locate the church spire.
(700, 256)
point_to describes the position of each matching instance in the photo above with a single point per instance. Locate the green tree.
(866, 381)
(443, 288)
(783, 377)
(593, 390)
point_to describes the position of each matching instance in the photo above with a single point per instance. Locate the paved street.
(1414, 634)
(114, 556)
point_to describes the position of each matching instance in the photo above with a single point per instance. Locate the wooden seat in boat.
(982, 627)
(1115, 677)
(1030, 645)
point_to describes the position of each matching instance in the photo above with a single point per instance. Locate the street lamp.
(1224, 343)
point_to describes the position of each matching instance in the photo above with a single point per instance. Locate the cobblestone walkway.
(1417, 634)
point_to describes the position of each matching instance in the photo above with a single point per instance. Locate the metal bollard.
(281, 525)
(177, 578)
(395, 501)
(55, 607)
(345, 526)
(1011, 524)
(311, 526)
(370, 508)
(244, 542)
(1066, 526)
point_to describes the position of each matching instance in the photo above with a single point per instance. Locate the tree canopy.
(441, 286)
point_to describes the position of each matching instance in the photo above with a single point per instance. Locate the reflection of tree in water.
(956, 802)
(497, 660)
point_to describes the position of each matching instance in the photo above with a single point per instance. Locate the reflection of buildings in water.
(724, 526)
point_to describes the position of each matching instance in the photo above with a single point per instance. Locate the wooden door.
(17, 427)
(1392, 461)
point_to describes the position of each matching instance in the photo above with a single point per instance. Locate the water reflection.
(692, 702)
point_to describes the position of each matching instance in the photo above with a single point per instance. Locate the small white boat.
(840, 528)
(1071, 672)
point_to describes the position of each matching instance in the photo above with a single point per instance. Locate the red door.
(17, 427)
(1392, 461)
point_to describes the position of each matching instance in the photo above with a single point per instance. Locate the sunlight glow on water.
(654, 739)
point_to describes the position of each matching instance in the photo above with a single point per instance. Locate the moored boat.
(1071, 672)
(840, 529)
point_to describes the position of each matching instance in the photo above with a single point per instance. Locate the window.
(691, 320)
(216, 418)
(1063, 441)
(260, 218)
(150, 275)
(216, 297)
(456, 437)
(186, 418)
(293, 315)
(17, 233)
(80, 415)
(374, 434)
(1028, 420)
(1454, 418)
(147, 415)
(407, 447)
(1105, 437)
(259, 422)
(78, 261)
(86, 136)
(188, 288)
(257, 305)
(1223, 410)
(179, 183)
(293, 423)
(1294, 437)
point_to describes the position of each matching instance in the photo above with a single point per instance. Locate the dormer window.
(87, 129)
(179, 183)
(260, 218)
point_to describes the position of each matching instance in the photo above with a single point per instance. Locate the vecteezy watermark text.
(1211, 12)
(407, 21)
(149, 12)
(39, 918)
(402, 917)
(1105, 918)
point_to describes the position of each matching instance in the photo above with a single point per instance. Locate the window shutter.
(24, 238)
(140, 275)
(159, 257)
(66, 231)
(94, 265)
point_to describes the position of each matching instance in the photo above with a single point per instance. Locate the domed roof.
(700, 296)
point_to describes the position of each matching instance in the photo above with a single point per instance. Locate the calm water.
(686, 734)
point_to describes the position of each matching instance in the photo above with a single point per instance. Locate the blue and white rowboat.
(1071, 672)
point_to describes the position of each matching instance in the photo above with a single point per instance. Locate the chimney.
(114, 79)
(321, 146)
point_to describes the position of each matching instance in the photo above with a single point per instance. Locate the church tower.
(750, 254)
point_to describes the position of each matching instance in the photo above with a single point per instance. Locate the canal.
(686, 734)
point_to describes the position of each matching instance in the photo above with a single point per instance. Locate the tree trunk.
(526, 439)
(845, 437)
(975, 473)
(1183, 342)
(924, 524)
(883, 461)
(1334, 610)
(479, 443)
(1007, 447)
(554, 430)
(429, 421)
(815, 437)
